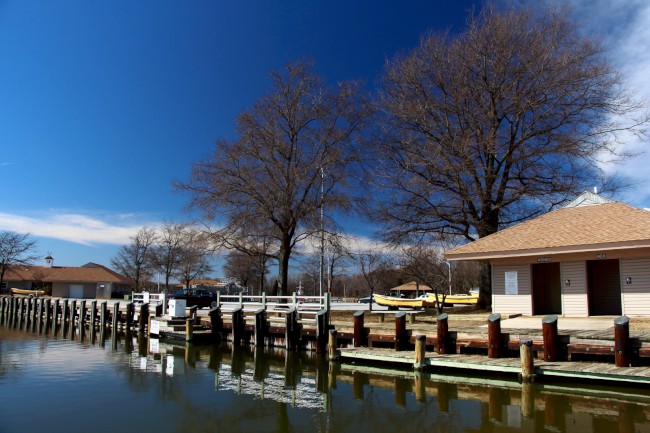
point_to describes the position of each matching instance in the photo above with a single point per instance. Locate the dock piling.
(401, 336)
(549, 332)
(420, 351)
(260, 327)
(527, 359)
(622, 341)
(359, 331)
(332, 345)
(494, 335)
(237, 326)
(189, 328)
(321, 331)
(443, 339)
(216, 322)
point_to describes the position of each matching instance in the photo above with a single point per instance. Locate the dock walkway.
(505, 366)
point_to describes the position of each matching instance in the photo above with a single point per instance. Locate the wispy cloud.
(624, 28)
(75, 227)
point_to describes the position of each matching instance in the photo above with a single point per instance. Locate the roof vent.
(49, 261)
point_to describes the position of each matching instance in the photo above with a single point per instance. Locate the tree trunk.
(485, 287)
(285, 252)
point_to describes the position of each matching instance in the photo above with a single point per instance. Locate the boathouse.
(589, 258)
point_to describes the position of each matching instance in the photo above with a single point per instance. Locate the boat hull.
(24, 292)
(389, 301)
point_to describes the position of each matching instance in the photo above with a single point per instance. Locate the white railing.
(274, 303)
(152, 299)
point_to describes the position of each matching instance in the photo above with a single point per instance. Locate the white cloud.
(74, 227)
(624, 28)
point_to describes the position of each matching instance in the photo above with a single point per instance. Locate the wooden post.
(93, 316)
(291, 329)
(82, 315)
(237, 326)
(401, 338)
(260, 327)
(622, 341)
(215, 322)
(143, 317)
(264, 300)
(194, 315)
(549, 332)
(411, 318)
(494, 335)
(28, 308)
(55, 311)
(359, 331)
(241, 300)
(321, 331)
(420, 351)
(102, 318)
(332, 345)
(527, 359)
(443, 334)
(218, 299)
(115, 320)
(381, 317)
(73, 313)
(41, 309)
(64, 312)
(48, 310)
(130, 312)
(189, 329)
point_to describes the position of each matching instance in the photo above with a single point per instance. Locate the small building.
(88, 281)
(589, 258)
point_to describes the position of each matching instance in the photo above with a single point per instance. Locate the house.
(88, 281)
(589, 258)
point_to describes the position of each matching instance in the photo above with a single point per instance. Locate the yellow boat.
(460, 298)
(394, 302)
(29, 293)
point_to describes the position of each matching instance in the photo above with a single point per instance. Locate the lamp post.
(322, 229)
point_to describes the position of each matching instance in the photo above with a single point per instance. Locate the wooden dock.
(501, 366)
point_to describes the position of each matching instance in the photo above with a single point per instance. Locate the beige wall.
(63, 289)
(636, 295)
(574, 296)
(512, 304)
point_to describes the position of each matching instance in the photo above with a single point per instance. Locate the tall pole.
(322, 228)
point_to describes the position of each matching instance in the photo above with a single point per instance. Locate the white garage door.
(76, 291)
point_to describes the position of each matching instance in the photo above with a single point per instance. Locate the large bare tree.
(495, 125)
(292, 155)
(168, 248)
(193, 256)
(16, 249)
(136, 260)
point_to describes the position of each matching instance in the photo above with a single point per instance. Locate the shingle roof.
(90, 272)
(571, 229)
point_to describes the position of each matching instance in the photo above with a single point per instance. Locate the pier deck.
(505, 366)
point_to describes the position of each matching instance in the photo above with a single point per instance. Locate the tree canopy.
(494, 125)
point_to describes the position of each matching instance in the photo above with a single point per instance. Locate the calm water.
(55, 383)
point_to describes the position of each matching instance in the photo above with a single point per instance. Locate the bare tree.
(167, 250)
(336, 257)
(136, 260)
(293, 155)
(495, 125)
(372, 262)
(16, 249)
(194, 257)
(427, 266)
(249, 269)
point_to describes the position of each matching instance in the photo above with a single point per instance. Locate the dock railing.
(153, 299)
(252, 303)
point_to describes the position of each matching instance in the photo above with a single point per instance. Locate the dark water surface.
(60, 383)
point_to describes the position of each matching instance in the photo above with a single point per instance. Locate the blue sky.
(104, 104)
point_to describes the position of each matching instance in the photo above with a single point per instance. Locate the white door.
(76, 291)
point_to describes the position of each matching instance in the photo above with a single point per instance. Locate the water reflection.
(184, 387)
